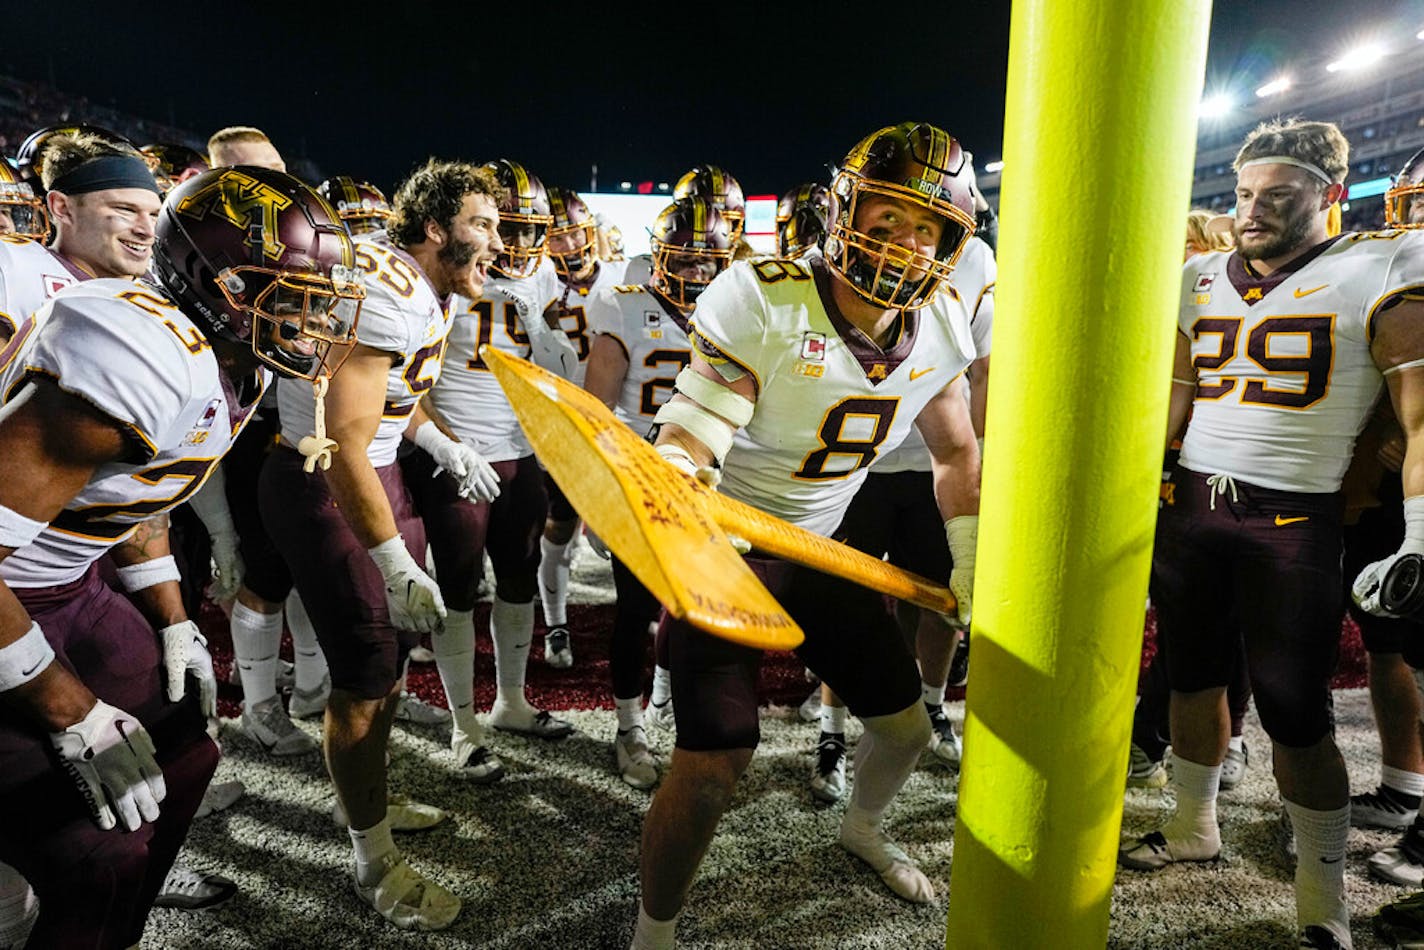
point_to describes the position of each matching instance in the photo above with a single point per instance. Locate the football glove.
(110, 756)
(185, 651)
(411, 594)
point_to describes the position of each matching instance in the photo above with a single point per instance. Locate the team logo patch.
(199, 433)
(1203, 283)
(652, 324)
(54, 283)
(813, 346)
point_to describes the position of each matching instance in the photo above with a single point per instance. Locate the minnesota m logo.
(244, 202)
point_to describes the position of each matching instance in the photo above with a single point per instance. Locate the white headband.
(1315, 170)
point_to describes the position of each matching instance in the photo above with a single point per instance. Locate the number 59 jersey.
(127, 350)
(401, 315)
(1285, 379)
(829, 400)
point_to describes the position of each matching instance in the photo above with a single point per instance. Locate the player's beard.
(458, 257)
(1289, 237)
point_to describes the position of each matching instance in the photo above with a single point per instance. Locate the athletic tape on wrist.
(25, 659)
(700, 423)
(137, 577)
(714, 397)
(962, 533)
(16, 530)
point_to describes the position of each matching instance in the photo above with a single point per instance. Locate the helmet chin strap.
(316, 448)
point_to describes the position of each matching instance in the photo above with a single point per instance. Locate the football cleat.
(1403, 863)
(220, 796)
(306, 704)
(557, 651)
(1382, 808)
(828, 778)
(411, 708)
(1143, 771)
(1233, 768)
(636, 762)
(944, 743)
(186, 889)
(529, 721)
(660, 716)
(409, 900)
(269, 726)
(810, 708)
(401, 812)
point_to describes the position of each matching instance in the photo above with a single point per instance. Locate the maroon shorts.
(96, 887)
(1264, 568)
(560, 509)
(852, 643)
(460, 531)
(266, 573)
(340, 585)
(896, 514)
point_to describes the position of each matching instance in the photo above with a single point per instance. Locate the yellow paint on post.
(1098, 148)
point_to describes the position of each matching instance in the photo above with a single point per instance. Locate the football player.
(244, 145)
(573, 247)
(506, 518)
(801, 219)
(1285, 345)
(105, 745)
(719, 187)
(21, 212)
(349, 532)
(361, 204)
(173, 164)
(802, 372)
(640, 344)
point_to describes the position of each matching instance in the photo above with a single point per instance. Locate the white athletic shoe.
(528, 721)
(945, 743)
(269, 726)
(422, 654)
(401, 812)
(476, 762)
(220, 796)
(411, 708)
(408, 899)
(558, 653)
(307, 704)
(810, 708)
(186, 889)
(660, 717)
(1233, 767)
(636, 762)
(828, 776)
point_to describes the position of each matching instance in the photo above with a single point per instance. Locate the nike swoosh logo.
(917, 373)
(1331, 860)
(552, 590)
(31, 670)
(1306, 293)
(520, 646)
(1282, 522)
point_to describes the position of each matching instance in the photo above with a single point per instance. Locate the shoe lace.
(1220, 484)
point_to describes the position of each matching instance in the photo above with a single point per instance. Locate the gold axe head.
(655, 518)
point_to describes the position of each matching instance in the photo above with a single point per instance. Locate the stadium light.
(1215, 106)
(1361, 57)
(1274, 87)
(625, 185)
(993, 167)
(1419, 35)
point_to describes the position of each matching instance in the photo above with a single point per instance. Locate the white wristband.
(25, 659)
(1413, 525)
(16, 530)
(145, 574)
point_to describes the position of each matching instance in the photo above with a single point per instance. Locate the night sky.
(773, 92)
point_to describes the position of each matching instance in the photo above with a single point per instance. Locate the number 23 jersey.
(1285, 379)
(828, 399)
(125, 349)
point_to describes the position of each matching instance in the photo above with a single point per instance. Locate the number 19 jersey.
(829, 400)
(1285, 379)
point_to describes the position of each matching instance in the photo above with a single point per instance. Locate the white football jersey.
(973, 280)
(401, 315)
(1285, 380)
(638, 269)
(828, 399)
(653, 335)
(573, 310)
(30, 274)
(468, 397)
(159, 379)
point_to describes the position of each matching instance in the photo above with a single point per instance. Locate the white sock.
(255, 639)
(310, 661)
(862, 836)
(454, 648)
(662, 686)
(1402, 780)
(1237, 743)
(554, 580)
(833, 719)
(630, 712)
(1192, 832)
(653, 934)
(885, 755)
(371, 847)
(932, 695)
(512, 629)
(1320, 838)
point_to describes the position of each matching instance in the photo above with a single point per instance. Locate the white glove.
(553, 351)
(109, 755)
(185, 651)
(962, 533)
(709, 475)
(1367, 586)
(475, 478)
(411, 594)
(228, 569)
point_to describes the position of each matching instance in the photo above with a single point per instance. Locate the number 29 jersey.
(653, 335)
(124, 348)
(829, 400)
(1285, 379)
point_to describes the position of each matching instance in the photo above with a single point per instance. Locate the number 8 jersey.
(1285, 379)
(829, 400)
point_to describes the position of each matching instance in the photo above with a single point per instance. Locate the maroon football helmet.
(692, 244)
(27, 216)
(524, 219)
(718, 186)
(571, 219)
(1404, 201)
(801, 219)
(255, 257)
(913, 162)
(29, 157)
(172, 164)
(359, 203)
